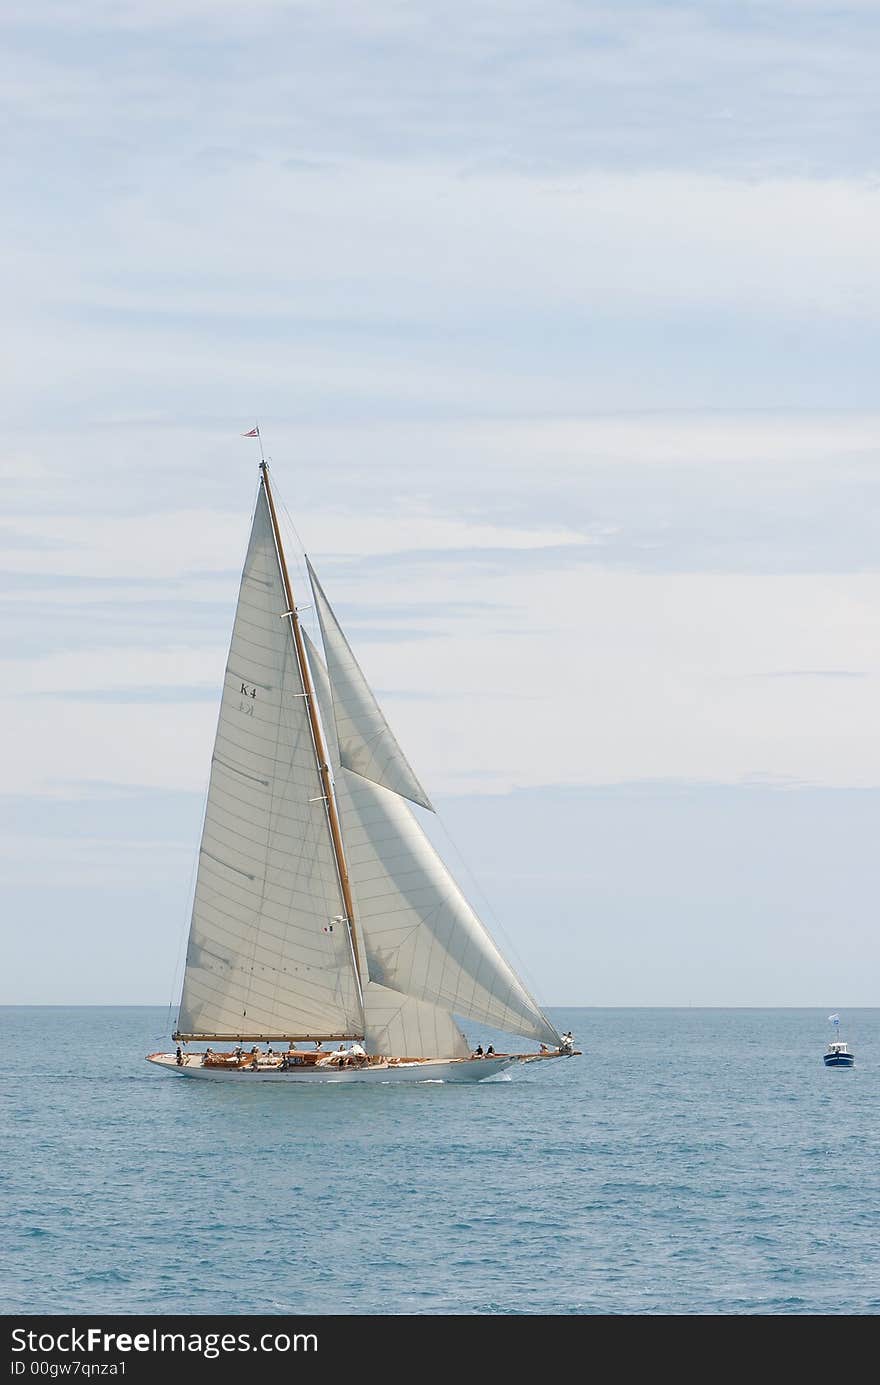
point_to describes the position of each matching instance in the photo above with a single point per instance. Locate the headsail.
(367, 745)
(269, 954)
(398, 1025)
(420, 935)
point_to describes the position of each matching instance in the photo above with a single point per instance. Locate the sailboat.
(328, 942)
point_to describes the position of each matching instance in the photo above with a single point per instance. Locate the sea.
(692, 1161)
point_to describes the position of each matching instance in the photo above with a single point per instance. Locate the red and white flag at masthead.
(254, 433)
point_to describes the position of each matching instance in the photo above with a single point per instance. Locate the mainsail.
(421, 938)
(269, 952)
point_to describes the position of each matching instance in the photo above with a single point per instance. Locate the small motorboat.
(837, 1054)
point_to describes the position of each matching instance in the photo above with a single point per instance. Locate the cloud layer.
(561, 326)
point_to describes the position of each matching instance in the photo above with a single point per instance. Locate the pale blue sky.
(561, 323)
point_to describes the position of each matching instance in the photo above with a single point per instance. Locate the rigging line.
(499, 932)
(302, 576)
(307, 613)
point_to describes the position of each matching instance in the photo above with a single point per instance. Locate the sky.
(561, 325)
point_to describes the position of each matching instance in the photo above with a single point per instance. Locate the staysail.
(421, 938)
(398, 1025)
(269, 953)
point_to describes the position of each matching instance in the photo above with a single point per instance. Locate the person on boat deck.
(179, 1055)
(567, 1042)
(490, 1051)
(478, 1051)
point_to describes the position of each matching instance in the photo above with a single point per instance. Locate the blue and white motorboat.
(837, 1054)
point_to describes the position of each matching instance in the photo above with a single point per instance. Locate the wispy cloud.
(179, 693)
(565, 86)
(816, 673)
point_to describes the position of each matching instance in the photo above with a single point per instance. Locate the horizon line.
(139, 1005)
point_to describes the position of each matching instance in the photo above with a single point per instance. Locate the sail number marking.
(247, 692)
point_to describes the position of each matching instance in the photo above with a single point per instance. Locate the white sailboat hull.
(423, 1070)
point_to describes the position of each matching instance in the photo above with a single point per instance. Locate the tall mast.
(317, 737)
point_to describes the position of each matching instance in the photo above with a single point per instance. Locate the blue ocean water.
(691, 1162)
